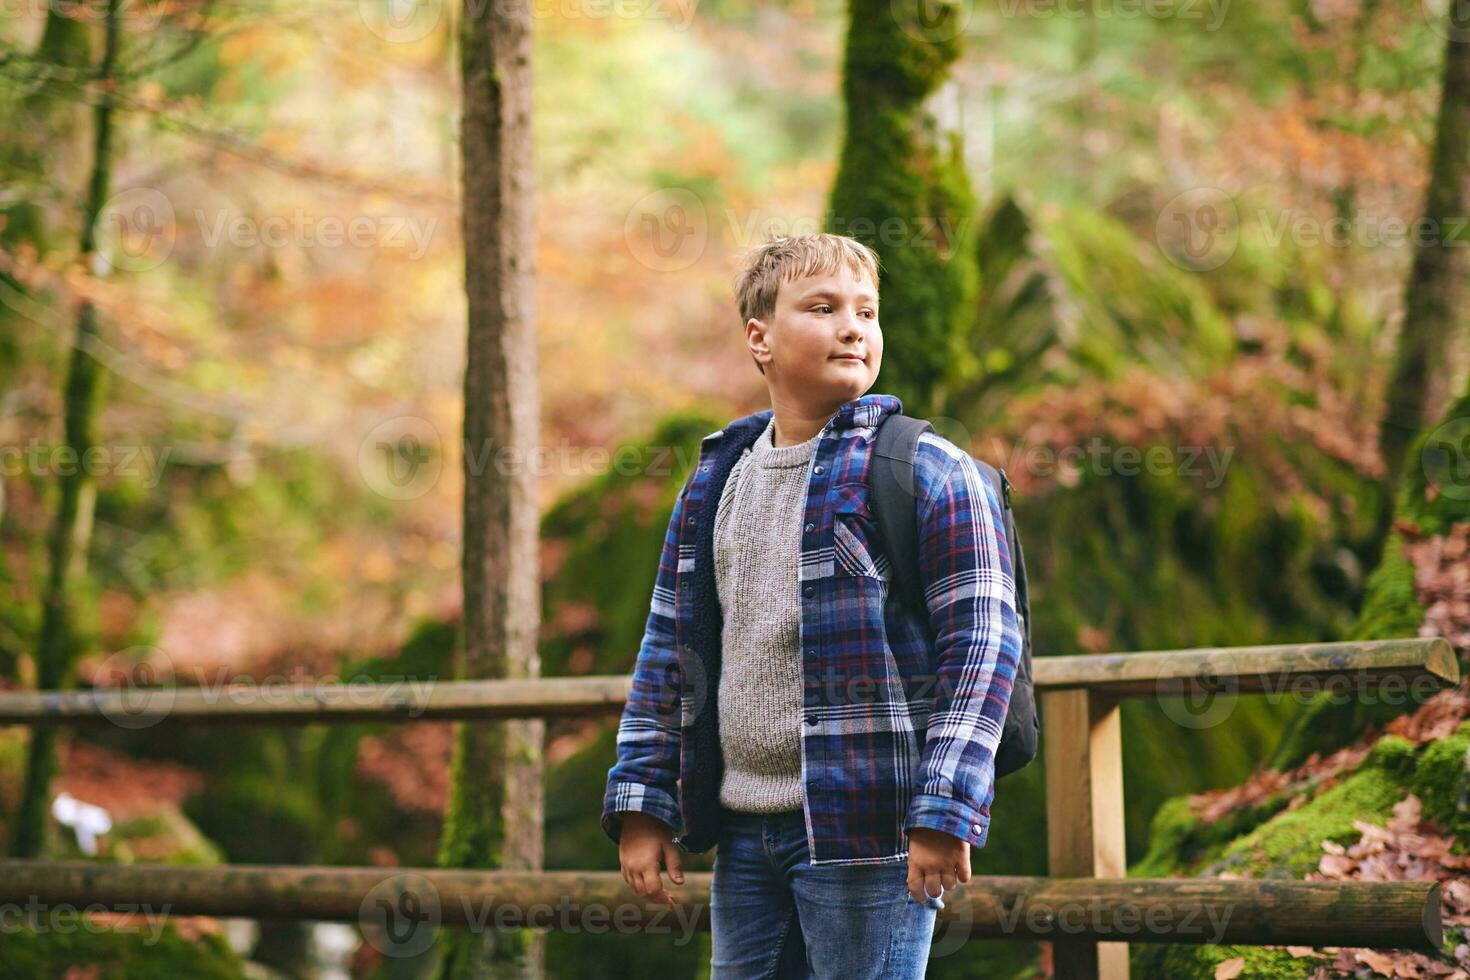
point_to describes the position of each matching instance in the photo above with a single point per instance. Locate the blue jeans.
(774, 915)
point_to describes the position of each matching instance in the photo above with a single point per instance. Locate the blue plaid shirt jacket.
(901, 717)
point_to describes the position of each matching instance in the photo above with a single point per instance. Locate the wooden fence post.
(1084, 810)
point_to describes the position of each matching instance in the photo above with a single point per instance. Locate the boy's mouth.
(849, 357)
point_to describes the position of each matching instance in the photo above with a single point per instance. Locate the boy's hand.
(645, 845)
(938, 862)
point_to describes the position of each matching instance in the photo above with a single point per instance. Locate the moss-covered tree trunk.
(1433, 301)
(496, 807)
(67, 545)
(902, 189)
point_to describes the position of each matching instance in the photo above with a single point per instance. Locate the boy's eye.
(825, 307)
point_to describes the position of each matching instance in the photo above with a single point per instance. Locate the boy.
(782, 707)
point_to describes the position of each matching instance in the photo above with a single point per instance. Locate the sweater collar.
(866, 410)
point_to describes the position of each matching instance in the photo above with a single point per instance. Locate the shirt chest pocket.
(856, 548)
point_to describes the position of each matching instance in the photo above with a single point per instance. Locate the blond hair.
(788, 257)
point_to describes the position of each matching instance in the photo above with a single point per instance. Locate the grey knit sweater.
(757, 546)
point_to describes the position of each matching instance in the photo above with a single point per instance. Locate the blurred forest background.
(1181, 225)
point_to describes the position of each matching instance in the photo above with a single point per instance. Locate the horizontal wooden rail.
(1365, 666)
(1380, 914)
(1259, 669)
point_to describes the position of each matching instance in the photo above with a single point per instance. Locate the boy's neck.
(796, 424)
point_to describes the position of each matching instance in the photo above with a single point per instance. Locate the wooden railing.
(1081, 908)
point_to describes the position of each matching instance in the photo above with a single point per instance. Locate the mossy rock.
(1289, 843)
(165, 837)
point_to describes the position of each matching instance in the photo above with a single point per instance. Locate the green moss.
(1432, 496)
(1441, 780)
(1179, 840)
(64, 942)
(1152, 961)
(1390, 608)
(1290, 844)
(172, 839)
(903, 189)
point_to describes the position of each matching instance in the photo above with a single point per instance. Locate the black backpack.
(892, 490)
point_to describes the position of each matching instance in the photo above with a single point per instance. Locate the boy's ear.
(755, 335)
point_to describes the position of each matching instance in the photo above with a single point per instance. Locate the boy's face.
(817, 320)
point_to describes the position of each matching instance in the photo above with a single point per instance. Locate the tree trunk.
(1420, 385)
(496, 808)
(69, 535)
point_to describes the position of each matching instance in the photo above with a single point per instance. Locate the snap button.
(690, 521)
(810, 526)
(817, 468)
(811, 720)
(808, 591)
(975, 828)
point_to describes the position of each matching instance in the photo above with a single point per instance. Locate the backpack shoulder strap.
(893, 501)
